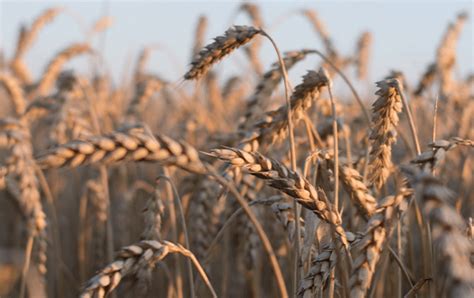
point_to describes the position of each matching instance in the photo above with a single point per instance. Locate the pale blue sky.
(406, 34)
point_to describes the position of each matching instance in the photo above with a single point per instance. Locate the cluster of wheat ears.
(254, 192)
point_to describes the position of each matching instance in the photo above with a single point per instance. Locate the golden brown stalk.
(214, 95)
(144, 91)
(370, 246)
(274, 126)
(452, 249)
(446, 56)
(384, 122)
(257, 21)
(132, 143)
(200, 35)
(21, 71)
(254, 13)
(319, 27)
(427, 79)
(12, 86)
(25, 41)
(281, 178)
(27, 37)
(363, 55)
(257, 103)
(221, 47)
(130, 260)
(54, 67)
(141, 63)
(101, 24)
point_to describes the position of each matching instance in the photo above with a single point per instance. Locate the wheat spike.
(384, 122)
(129, 261)
(268, 82)
(54, 67)
(130, 143)
(274, 126)
(283, 179)
(370, 246)
(221, 47)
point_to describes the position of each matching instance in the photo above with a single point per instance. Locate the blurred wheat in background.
(211, 185)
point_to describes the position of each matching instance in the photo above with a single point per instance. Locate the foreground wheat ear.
(131, 260)
(384, 123)
(221, 47)
(283, 179)
(131, 143)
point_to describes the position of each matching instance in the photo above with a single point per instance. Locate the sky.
(406, 34)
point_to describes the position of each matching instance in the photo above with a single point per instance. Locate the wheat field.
(252, 186)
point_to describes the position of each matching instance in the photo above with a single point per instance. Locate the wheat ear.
(54, 67)
(384, 122)
(370, 246)
(221, 47)
(283, 179)
(133, 143)
(131, 259)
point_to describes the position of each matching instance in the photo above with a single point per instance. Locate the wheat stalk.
(446, 56)
(25, 41)
(363, 54)
(199, 35)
